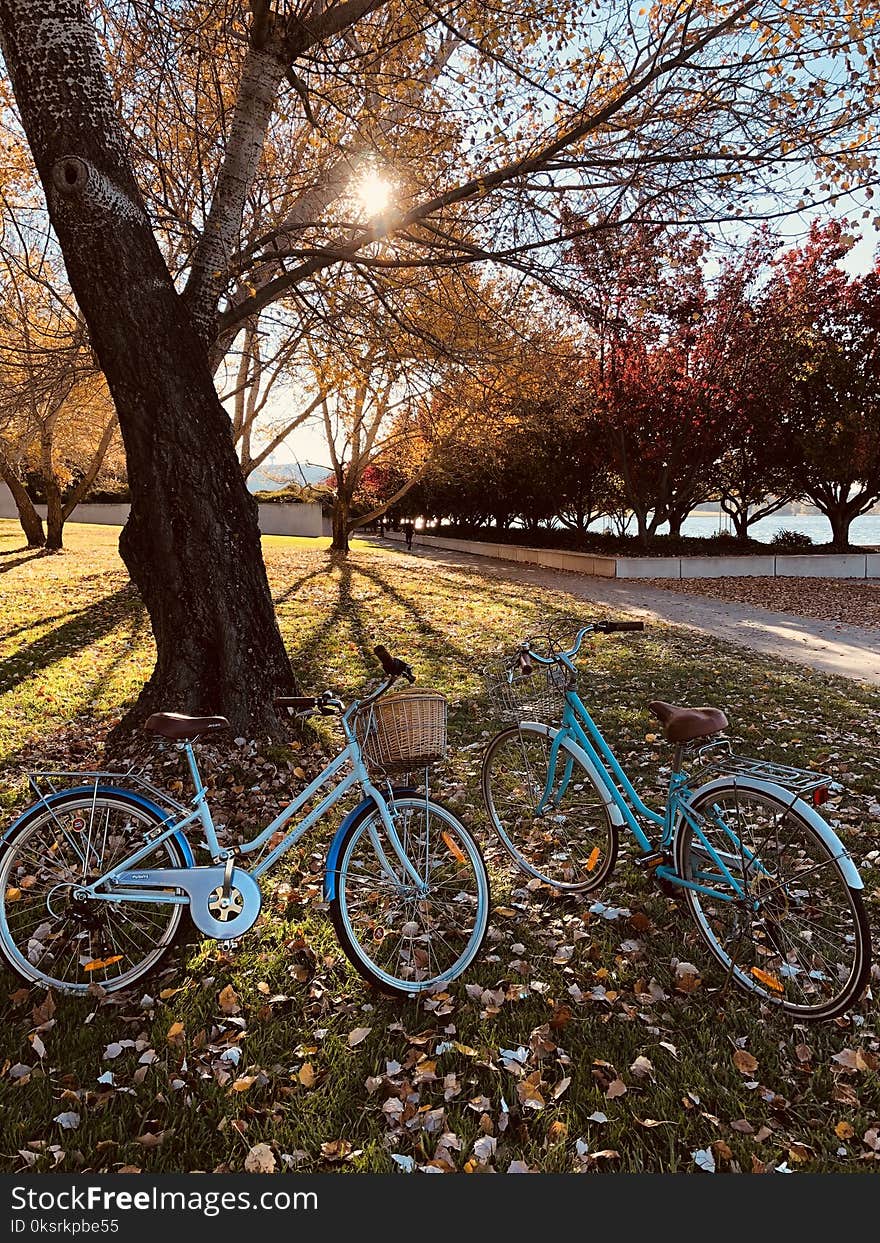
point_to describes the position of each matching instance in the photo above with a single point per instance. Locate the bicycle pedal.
(651, 860)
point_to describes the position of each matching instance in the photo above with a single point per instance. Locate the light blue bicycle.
(770, 886)
(94, 880)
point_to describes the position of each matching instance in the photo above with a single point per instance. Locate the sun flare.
(374, 192)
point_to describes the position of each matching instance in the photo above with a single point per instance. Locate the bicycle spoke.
(794, 936)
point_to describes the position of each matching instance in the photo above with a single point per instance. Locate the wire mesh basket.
(403, 732)
(535, 696)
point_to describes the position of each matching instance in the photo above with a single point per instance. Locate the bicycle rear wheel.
(49, 936)
(799, 938)
(405, 941)
(554, 825)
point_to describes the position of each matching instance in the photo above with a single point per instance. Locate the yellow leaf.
(769, 979)
(98, 964)
(242, 1085)
(175, 1032)
(843, 1130)
(307, 1075)
(13, 894)
(454, 848)
(228, 999)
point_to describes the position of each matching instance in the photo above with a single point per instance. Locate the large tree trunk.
(341, 525)
(54, 516)
(31, 522)
(840, 518)
(192, 542)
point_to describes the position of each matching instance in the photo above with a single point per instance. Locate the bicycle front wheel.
(51, 937)
(798, 937)
(402, 939)
(550, 816)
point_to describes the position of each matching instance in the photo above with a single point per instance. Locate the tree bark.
(31, 522)
(192, 542)
(341, 525)
(54, 518)
(840, 518)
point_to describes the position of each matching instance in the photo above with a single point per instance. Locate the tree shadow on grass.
(81, 630)
(300, 583)
(35, 621)
(345, 612)
(31, 554)
(435, 637)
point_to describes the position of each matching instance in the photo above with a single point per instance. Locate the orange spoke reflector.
(97, 964)
(768, 978)
(593, 859)
(454, 848)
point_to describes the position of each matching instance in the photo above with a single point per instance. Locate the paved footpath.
(830, 647)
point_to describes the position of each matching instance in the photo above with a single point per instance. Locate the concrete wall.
(274, 519)
(820, 565)
(291, 520)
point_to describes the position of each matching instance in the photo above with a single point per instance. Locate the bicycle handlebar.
(602, 627)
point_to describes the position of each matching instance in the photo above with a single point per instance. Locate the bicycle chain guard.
(222, 905)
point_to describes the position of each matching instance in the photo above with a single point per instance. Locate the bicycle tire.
(774, 962)
(12, 865)
(358, 863)
(580, 838)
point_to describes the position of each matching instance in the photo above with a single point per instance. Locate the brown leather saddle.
(685, 724)
(183, 728)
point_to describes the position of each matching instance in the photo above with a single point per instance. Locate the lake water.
(864, 530)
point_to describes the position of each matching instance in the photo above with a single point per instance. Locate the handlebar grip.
(612, 626)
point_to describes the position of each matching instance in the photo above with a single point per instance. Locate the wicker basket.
(403, 732)
(536, 696)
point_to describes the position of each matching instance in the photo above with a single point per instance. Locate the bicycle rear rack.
(716, 759)
(48, 782)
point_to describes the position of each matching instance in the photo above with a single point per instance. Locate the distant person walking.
(408, 533)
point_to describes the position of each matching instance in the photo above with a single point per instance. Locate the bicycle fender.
(331, 864)
(147, 804)
(580, 754)
(816, 822)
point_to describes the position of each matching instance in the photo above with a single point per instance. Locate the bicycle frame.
(351, 755)
(579, 727)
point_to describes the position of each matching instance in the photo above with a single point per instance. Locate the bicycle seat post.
(200, 788)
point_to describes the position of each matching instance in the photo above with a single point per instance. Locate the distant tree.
(642, 296)
(741, 345)
(57, 422)
(832, 346)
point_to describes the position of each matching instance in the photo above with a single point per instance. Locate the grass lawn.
(567, 1047)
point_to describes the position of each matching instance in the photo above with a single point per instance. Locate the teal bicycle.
(95, 879)
(770, 886)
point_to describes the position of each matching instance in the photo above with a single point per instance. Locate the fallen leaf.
(228, 1000)
(260, 1160)
(357, 1036)
(744, 1062)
